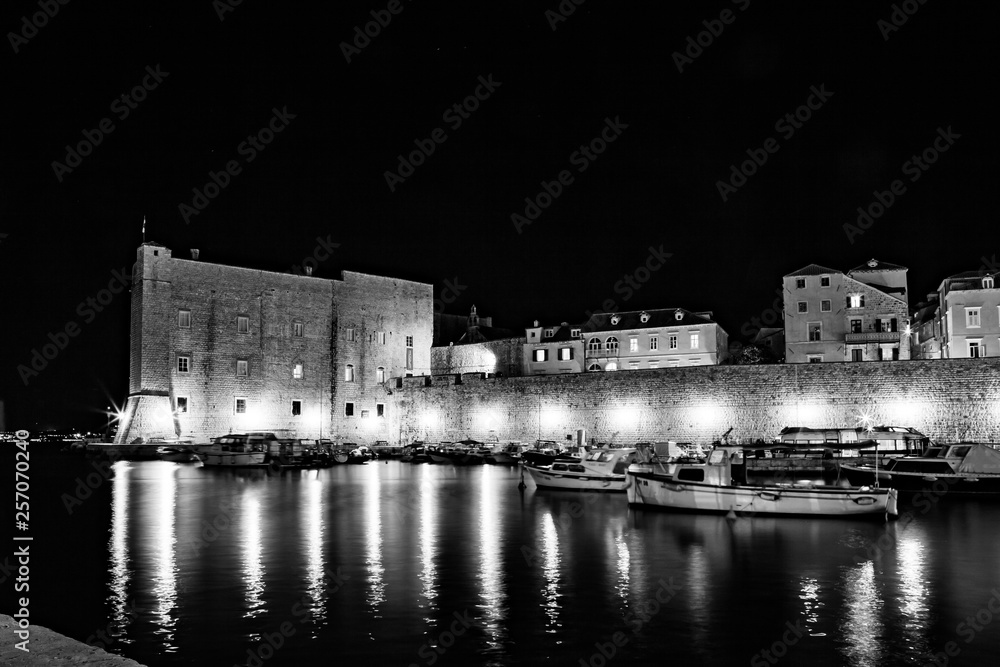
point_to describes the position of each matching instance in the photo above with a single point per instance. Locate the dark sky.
(323, 175)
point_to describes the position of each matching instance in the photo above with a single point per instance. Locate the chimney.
(536, 323)
(309, 270)
(194, 253)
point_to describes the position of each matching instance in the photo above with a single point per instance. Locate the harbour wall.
(949, 400)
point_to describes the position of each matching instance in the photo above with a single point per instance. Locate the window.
(988, 282)
(182, 405)
(548, 333)
(349, 373)
(183, 364)
(654, 343)
(380, 337)
(297, 329)
(895, 354)
(380, 375)
(574, 333)
(824, 281)
(409, 353)
(694, 341)
(594, 367)
(565, 354)
(349, 409)
(976, 349)
(349, 334)
(380, 409)
(972, 317)
(633, 344)
(594, 345)
(184, 319)
(856, 301)
(409, 341)
(612, 366)
(644, 317)
(825, 306)
(242, 324)
(364, 414)
(815, 331)
(240, 405)
(296, 408)
(800, 283)
(612, 344)
(803, 306)
(540, 354)
(241, 368)
(857, 354)
(855, 326)
(815, 358)
(672, 342)
(297, 371)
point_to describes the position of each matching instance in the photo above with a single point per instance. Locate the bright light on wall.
(551, 417)
(429, 419)
(626, 417)
(904, 413)
(706, 415)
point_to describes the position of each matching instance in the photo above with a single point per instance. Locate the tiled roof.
(660, 317)
(878, 266)
(812, 270)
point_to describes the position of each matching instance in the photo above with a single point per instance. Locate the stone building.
(858, 316)
(218, 349)
(962, 319)
(473, 345)
(658, 338)
(553, 349)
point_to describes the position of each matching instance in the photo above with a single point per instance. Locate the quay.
(47, 647)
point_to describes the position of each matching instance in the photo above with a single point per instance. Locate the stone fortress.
(218, 349)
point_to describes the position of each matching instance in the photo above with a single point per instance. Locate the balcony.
(873, 337)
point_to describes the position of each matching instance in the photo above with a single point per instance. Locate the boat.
(415, 453)
(886, 438)
(962, 469)
(505, 455)
(463, 454)
(547, 452)
(598, 470)
(718, 486)
(236, 450)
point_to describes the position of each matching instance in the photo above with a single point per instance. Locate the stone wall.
(948, 400)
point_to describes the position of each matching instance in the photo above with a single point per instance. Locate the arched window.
(594, 345)
(594, 367)
(380, 374)
(349, 373)
(612, 344)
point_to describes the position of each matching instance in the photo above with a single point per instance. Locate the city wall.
(949, 400)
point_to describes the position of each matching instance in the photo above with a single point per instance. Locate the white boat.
(712, 487)
(598, 470)
(235, 450)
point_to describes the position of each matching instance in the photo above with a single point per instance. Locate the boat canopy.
(979, 459)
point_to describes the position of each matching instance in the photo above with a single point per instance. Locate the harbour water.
(400, 564)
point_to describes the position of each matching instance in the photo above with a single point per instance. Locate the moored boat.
(963, 469)
(717, 485)
(598, 470)
(235, 450)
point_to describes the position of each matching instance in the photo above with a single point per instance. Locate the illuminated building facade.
(659, 338)
(218, 349)
(962, 319)
(553, 350)
(858, 316)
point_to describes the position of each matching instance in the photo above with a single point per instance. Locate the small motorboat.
(598, 470)
(235, 450)
(963, 469)
(718, 486)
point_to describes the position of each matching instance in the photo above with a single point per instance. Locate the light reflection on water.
(460, 544)
(120, 612)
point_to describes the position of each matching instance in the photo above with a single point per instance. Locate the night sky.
(680, 116)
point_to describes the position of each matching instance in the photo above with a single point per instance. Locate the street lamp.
(107, 429)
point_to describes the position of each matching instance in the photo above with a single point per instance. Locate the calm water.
(399, 564)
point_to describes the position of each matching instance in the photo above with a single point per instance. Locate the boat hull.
(234, 459)
(665, 492)
(457, 459)
(546, 479)
(938, 484)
